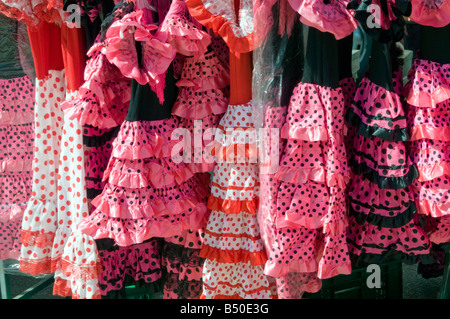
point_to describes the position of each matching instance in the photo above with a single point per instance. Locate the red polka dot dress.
(16, 136)
(58, 198)
(233, 250)
(383, 220)
(428, 102)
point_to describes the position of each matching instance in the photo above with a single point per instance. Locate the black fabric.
(383, 221)
(395, 33)
(393, 135)
(321, 58)
(435, 44)
(345, 48)
(380, 69)
(145, 105)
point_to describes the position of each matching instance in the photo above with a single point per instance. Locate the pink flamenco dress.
(16, 135)
(310, 219)
(153, 204)
(202, 99)
(428, 103)
(232, 247)
(383, 215)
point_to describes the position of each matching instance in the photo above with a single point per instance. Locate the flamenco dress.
(428, 100)
(383, 220)
(150, 193)
(17, 135)
(232, 247)
(313, 173)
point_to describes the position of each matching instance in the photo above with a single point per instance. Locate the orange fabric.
(241, 68)
(45, 45)
(74, 55)
(221, 26)
(229, 206)
(233, 256)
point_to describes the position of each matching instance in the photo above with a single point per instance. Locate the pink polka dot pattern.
(428, 98)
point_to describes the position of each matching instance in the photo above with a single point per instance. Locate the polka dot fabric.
(383, 224)
(313, 168)
(428, 97)
(200, 105)
(16, 159)
(233, 249)
(138, 264)
(40, 222)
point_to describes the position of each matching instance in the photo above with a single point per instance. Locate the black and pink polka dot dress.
(16, 139)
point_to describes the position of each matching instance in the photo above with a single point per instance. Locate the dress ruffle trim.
(419, 92)
(147, 204)
(332, 16)
(156, 54)
(194, 104)
(233, 256)
(230, 206)
(129, 232)
(431, 12)
(237, 39)
(141, 174)
(184, 36)
(378, 112)
(205, 72)
(385, 182)
(145, 139)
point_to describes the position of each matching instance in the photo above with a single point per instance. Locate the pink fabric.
(182, 34)
(377, 102)
(144, 139)
(368, 199)
(333, 16)
(387, 159)
(428, 83)
(430, 123)
(435, 13)
(156, 54)
(432, 197)
(432, 158)
(102, 101)
(193, 103)
(138, 262)
(409, 240)
(155, 172)
(205, 72)
(442, 233)
(315, 114)
(302, 205)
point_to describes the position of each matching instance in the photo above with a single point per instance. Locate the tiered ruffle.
(233, 249)
(310, 220)
(102, 101)
(201, 103)
(382, 221)
(16, 158)
(428, 102)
